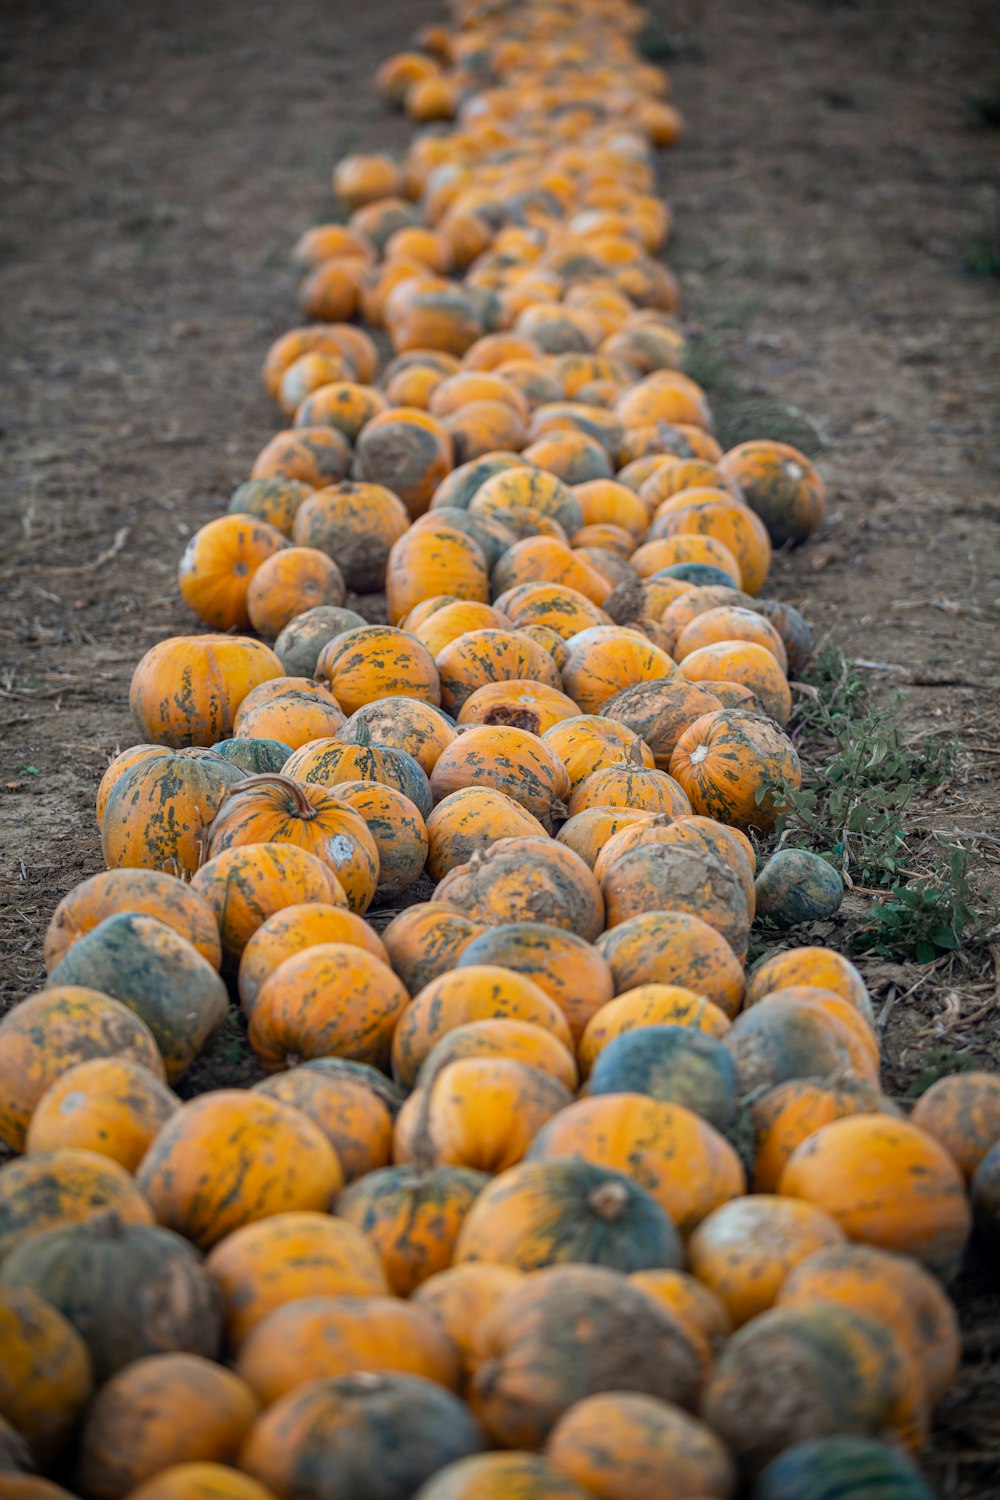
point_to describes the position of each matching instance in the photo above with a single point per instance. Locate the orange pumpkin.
(153, 892)
(780, 485)
(479, 1112)
(411, 1216)
(231, 1157)
(509, 760)
(293, 718)
(546, 559)
(678, 949)
(430, 559)
(784, 1116)
(199, 1481)
(343, 404)
(487, 656)
(753, 666)
(355, 525)
(186, 690)
(219, 564)
(563, 609)
(524, 880)
(589, 831)
(604, 660)
(705, 1318)
(51, 1189)
(288, 583)
(735, 767)
(376, 661)
(590, 743)
(331, 1000)
(469, 821)
(659, 712)
(366, 177)
(679, 877)
(397, 829)
(315, 455)
(647, 1450)
(402, 723)
(962, 1113)
(341, 338)
(648, 1005)
(354, 1119)
(441, 619)
(407, 451)
(631, 783)
(822, 967)
(517, 1041)
(248, 883)
(714, 513)
(523, 703)
(730, 623)
(424, 941)
(500, 1476)
(113, 1106)
(293, 929)
(334, 763)
(460, 1297)
(46, 1376)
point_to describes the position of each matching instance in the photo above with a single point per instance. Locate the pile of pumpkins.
(537, 1191)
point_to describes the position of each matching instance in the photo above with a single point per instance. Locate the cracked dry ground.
(157, 162)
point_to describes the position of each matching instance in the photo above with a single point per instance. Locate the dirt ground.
(157, 161)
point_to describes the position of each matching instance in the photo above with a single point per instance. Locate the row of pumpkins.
(538, 1195)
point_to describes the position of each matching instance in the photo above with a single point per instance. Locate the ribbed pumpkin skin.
(50, 1032)
(116, 768)
(159, 810)
(780, 485)
(525, 880)
(412, 1217)
(150, 968)
(231, 1157)
(424, 941)
(676, 949)
(200, 1481)
(605, 659)
(648, 1005)
(397, 829)
(356, 524)
(468, 821)
(590, 743)
(689, 1168)
(249, 883)
(733, 765)
(376, 661)
(111, 1105)
(501, 1476)
(830, 1467)
(186, 690)
(462, 1296)
(476, 992)
(294, 929)
(731, 623)
(562, 608)
(896, 1291)
(817, 966)
(519, 1041)
(625, 1446)
(128, 1289)
(478, 1112)
(331, 1000)
(507, 759)
(320, 1338)
(589, 831)
(565, 966)
(809, 1349)
(157, 1412)
(293, 717)
(46, 1376)
(678, 877)
(962, 1113)
(708, 837)
(368, 1437)
(631, 784)
(218, 566)
(402, 724)
(152, 892)
(887, 1184)
(659, 712)
(784, 1116)
(434, 558)
(353, 1118)
(674, 1064)
(266, 1265)
(546, 1213)
(713, 515)
(480, 657)
(332, 763)
(569, 1332)
(57, 1188)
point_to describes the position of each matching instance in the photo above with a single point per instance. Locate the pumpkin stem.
(608, 1201)
(635, 754)
(363, 735)
(293, 790)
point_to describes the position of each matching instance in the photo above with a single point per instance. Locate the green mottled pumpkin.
(674, 1064)
(254, 756)
(796, 886)
(842, 1468)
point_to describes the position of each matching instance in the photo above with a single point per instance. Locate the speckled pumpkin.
(431, 559)
(352, 1116)
(46, 1376)
(746, 1249)
(546, 559)
(735, 767)
(626, 1446)
(471, 820)
(674, 948)
(478, 1112)
(606, 659)
(560, 962)
(219, 564)
(407, 451)
(648, 1005)
(631, 783)
(424, 941)
(411, 1216)
(186, 690)
(509, 760)
(527, 880)
(53, 1189)
(502, 1037)
(293, 929)
(409, 724)
(160, 807)
(785, 1115)
(562, 608)
(356, 525)
(780, 485)
(299, 644)
(153, 892)
(200, 1481)
(677, 877)
(331, 763)
(659, 712)
(751, 665)
(247, 884)
(315, 455)
(590, 742)
(377, 661)
(111, 1105)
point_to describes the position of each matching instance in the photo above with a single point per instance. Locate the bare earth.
(157, 162)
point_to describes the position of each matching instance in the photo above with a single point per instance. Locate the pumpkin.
(630, 784)
(150, 968)
(231, 1157)
(411, 1216)
(648, 1005)
(290, 580)
(896, 1291)
(500, 1037)
(343, 404)
(160, 1411)
(704, 1317)
(317, 1338)
(160, 808)
(152, 892)
(343, 339)
(962, 1113)
(610, 502)
(887, 1183)
(315, 455)
(310, 372)
(332, 763)
(528, 487)
(783, 1116)
(562, 608)
(398, 830)
(480, 657)
(424, 941)
(480, 427)
(546, 559)
(51, 1189)
(786, 1037)
(431, 559)
(122, 762)
(510, 760)
(247, 884)
(566, 1333)
(627, 1446)
(703, 834)
(460, 1297)
(735, 767)
(330, 1000)
(46, 1034)
(545, 1213)
(797, 886)
(565, 966)
(674, 948)
(407, 451)
(219, 564)
(589, 832)
(821, 967)
(112, 1105)
(589, 743)
(46, 1377)
(470, 820)
(679, 877)
(605, 659)
(458, 996)
(356, 525)
(526, 880)
(478, 1112)
(186, 690)
(525, 703)
(684, 550)
(674, 1064)
(491, 533)
(827, 1467)
(687, 1166)
(753, 666)
(280, 1260)
(299, 644)
(796, 636)
(730, 623)
(804, 1352)
(26, 1486)
(780, 485)
(377, 661)
(273, 809)
(370, 1437)
(128, 1289)
(501, 1476)
(714, 514)
(291, 930)
(409, 724)
(200, 1481)
(441, 619)
(659, 713)
(353, 1118)
(365, 178)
